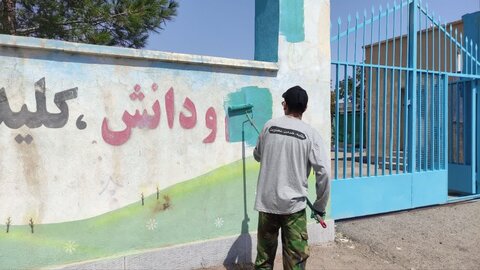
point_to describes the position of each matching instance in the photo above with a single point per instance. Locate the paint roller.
(243, 109)
(240, 108)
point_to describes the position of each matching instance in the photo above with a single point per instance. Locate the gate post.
(412, 83)
(446, 130)
(267, 15)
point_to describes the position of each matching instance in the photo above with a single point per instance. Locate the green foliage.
(125, 23)
(341, 94)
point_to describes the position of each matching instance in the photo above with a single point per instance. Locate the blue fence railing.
(390, 70)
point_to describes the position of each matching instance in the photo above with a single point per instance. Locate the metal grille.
(389, 96)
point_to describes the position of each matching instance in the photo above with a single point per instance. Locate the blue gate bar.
(450, 124)
(362, 99)
(426, 67)
(456, 91)
(443, 141)
(476, 62)
(438, 113)
(458, 100)
(455, 55)
(446, 121)
(419, 89)
(462, 55)
(432, 102)
(399, 103)
(477, 139)
(471, 57)
(345, 105)
(473, 129)
(451, 50)
(385, 76)
(428, 119)
(407, 101)
(457, 120)
(392, 95)
(439, 97)
(424, 91)
(445, 48)
(476, 59)
(412, 63)
(465, 60)
(425, 124)
(457, 123)
(337, 102)
(354, 98)
(377, 92)
(406, 105)
(433, 127)
(369, 139)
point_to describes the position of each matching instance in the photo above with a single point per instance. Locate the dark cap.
(296, 99)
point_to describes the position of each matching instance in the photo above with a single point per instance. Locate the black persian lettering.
(15, 120)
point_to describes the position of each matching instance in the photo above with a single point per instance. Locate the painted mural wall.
(106, 151)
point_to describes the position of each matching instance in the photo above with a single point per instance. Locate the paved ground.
(440, 237)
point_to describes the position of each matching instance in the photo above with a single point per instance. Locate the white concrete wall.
(68, 174)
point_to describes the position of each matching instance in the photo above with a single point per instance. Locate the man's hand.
(318, 216)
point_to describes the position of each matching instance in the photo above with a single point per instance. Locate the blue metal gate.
(463, 131)
(392, 71)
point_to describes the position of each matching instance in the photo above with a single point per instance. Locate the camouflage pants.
(294, 240)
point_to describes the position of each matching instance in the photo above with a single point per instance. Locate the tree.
(341, 95)
(125, 23)
(358, 84)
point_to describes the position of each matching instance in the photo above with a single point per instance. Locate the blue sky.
(222, 28)
(225, 28)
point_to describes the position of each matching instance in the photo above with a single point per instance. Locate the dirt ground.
(439, 237)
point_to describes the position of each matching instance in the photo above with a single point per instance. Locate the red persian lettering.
(170, 106)
(188, 122)
(211, 123)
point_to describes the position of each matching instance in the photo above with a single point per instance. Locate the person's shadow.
(240, 254)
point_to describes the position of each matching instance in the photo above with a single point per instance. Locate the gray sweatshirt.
(287, 150)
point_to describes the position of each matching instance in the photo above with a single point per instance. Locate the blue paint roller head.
(241, 108)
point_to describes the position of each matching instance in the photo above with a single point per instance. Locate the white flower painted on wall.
(70, 247)
(219, 222)
(151, 224)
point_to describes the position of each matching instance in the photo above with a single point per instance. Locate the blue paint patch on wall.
(292, 20)
(261, 99)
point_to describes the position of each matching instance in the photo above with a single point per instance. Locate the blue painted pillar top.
(274, 18)
(471, 29)
(267, 13)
